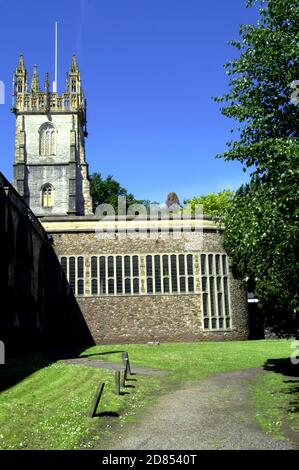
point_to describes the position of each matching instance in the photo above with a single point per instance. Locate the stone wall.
(78, 242)
(154, 318)
(38, 308)
(63, 125)
(142, 318)
(66, 171)
(41, 169)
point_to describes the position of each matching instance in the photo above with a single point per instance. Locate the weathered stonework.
(196, 298)
(143, 317)
(60, 164)
(38, 309)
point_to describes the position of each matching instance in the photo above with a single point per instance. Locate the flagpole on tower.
(56, 54)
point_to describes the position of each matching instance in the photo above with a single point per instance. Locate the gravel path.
(215, 414)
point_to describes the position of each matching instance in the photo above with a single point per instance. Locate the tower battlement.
(32, 99)
(50, 169)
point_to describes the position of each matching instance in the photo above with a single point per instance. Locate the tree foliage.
(262, 226)
(261, 86)
(107, 190)
(215, 205)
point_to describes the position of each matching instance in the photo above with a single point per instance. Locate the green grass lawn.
(193, 361)
(276, 403)
(48, 407)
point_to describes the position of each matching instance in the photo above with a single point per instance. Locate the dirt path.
(215, 414)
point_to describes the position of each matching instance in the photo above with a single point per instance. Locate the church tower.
(50, 170)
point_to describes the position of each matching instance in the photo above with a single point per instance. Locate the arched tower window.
(47, 195)
(47, 140)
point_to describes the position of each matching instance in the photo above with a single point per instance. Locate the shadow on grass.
(103, 414)
(291, 372)
(282, 366)
(99, 354)
(19, 366)
(17, 369)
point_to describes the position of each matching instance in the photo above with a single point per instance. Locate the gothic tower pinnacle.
(35, 81)
(50, 169)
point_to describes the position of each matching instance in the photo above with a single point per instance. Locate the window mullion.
(170, 273)
(177, 273)
(98, 276)
(186, 273)
(215, 292)
(106, 277)
(131, 274)
(67, 269)
(222, 296)
(76, 275)
(154, 273)
(114, 273)
(161, 273)
(163, 276)
(123, 274)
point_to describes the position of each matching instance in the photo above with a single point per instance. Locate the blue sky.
(149, 69)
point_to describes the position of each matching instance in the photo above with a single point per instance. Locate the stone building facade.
(50, 170)
(38, 308)
(131, 286)
(139, 289)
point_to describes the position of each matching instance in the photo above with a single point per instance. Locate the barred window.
(158, 287)
(120, 274)
(73, 267)
(169, 274)
(115, 275)
(174, 274)
(215, 292)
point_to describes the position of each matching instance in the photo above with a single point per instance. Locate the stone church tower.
(50, 170)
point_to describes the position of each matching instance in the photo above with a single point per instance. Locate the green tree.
(262, 226)
(107, 190)
(215, 205)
